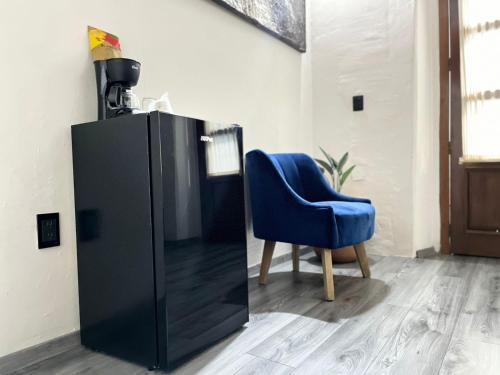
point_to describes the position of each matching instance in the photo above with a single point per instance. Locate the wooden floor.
(432, 316)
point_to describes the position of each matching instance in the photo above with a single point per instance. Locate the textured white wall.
(426, 138)
(366, 47)
(213, 64)
(386, 51)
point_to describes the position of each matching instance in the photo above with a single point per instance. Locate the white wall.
(426, 134)
(214, 66)
(367, 47)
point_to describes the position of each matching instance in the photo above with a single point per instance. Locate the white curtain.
(222, 150)
(480, 54)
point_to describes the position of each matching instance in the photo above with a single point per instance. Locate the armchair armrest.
(319, 189)
(336, 196)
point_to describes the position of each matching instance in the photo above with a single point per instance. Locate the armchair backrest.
(298, 170)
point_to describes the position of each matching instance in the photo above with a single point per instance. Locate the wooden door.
(475, 187)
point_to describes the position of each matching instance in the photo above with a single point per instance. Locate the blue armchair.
(292, 202)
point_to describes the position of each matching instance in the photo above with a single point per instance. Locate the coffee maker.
(115, 79)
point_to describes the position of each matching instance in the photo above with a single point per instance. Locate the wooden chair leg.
(326, 259)
(267, 257)
(362, 260)
(296, 257)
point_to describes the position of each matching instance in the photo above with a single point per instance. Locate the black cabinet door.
(204, 232)
(114, 238)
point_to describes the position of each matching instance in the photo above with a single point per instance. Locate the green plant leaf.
(342, 162)
(346, 174)
(331, 160)
(327, 167)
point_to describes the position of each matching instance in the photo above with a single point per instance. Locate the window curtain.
(480, 55)
(222, 152)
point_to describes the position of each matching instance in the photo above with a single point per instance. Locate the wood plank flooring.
(414, 316)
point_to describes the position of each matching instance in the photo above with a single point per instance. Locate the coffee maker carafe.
(115, 79)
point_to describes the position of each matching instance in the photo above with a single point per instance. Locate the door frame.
(450, 123)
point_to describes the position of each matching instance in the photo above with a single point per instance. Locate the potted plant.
(339, 173)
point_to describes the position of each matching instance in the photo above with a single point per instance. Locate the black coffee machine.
(115, 78)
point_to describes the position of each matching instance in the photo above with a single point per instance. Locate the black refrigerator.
(161, 239)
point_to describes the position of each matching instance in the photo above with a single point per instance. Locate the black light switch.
(48, 230)
(357, 103)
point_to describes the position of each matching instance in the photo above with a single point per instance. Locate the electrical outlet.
(48, 230)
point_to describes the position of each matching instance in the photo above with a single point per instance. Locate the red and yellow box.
(103, 45)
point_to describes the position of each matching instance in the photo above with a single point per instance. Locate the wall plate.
(48, 230)
(358, 103)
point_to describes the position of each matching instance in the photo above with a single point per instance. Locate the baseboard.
(428, 252)
(25, 357)
(279, 259)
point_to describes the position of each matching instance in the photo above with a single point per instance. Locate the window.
(480, 50)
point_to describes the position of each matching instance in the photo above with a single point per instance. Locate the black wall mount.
(48, 230)
(358, 103)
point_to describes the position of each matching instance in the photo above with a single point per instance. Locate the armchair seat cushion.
(355, 221)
